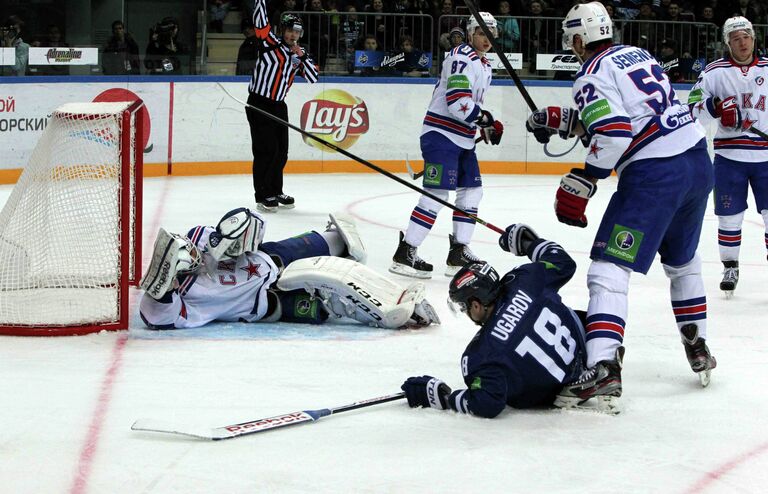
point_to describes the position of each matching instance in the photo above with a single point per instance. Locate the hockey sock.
(423, 217)
(729, 236)
(689, 300)
(607, 311)
(467, 199)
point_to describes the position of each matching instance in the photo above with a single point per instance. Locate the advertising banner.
(63, 56)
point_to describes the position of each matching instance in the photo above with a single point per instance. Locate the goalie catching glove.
(572, 197)
(544, 122)
(427, 392)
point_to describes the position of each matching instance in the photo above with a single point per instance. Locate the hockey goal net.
(70, 231)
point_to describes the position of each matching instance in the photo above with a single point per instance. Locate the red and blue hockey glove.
(427, 392)
(517, 239)
(571, 199)
(544, 122)
(492, 134)
(728, 112)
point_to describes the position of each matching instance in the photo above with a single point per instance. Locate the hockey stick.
(496, 48)
(758, 132)
(260, 425)
(363, 162)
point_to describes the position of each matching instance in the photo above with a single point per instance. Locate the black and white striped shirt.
(276, 65)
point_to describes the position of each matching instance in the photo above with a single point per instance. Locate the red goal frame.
(130, 273)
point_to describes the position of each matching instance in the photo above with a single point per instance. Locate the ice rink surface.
(68, 403)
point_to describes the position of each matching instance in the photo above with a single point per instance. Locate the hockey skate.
(602, 382)
(459, 256)
(407, 263)
(702, 362)
(172, 255)
(285, 201)
(730, 277)
(268, 205)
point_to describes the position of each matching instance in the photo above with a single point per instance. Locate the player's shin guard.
(607, 310)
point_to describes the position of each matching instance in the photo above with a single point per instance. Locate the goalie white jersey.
(630, 110)
(458, 96)
(749, 85)
(232, 290)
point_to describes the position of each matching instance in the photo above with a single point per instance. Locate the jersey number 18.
(550, 329)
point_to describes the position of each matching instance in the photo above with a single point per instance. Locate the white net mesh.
(61, 229)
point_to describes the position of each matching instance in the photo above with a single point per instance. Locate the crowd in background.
(673, 31)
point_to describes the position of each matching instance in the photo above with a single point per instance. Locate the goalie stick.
(363, 162)
(259, 425)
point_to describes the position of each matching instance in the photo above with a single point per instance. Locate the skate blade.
(287, 206)
(704, 377)
(450, 271)
(403, 270)
(608, 405)
(728, 294)
(266, 209)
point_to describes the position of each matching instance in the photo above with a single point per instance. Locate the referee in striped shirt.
(278, 60)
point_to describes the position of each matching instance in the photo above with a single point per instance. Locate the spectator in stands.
(10, 37)
(317, 31)
(52, 39)
(350, 31)
(457, 36)
(371, 44)
(618, 26)
(120, 55)
(446, 24)
(674, 29)
(670, 61)
(539, 33)
(407, 61)
(279, 8)
(749, 9)
(509, 30)
(710, 43)
(165, 54)
(217, 10)
(247, 54)
(378, 23)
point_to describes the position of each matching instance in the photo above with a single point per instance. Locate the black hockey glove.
(484, 119)
(517, 239)
(427, 392)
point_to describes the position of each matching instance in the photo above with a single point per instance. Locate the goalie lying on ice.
(227, 273)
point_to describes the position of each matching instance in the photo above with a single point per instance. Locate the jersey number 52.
(550, 329)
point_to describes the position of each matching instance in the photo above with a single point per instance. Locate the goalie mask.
(239, 231)
(477, 281)
(590, 21)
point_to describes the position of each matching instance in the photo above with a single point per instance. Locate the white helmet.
(590, 21)
(737, 23)
(489, 20)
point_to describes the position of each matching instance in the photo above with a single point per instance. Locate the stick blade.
(150, 425)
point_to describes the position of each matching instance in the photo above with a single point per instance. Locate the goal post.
(70, 231)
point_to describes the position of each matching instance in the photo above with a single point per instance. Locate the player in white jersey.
(734, 90)
(448, 148)
(632, 122)
(227, 273)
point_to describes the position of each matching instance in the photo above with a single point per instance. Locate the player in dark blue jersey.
(529, 343)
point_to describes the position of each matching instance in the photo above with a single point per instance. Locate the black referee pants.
(269, 143)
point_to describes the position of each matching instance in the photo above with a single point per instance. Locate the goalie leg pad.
(299, 306)
(172, 255)
(345, 225)
(350, 289)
